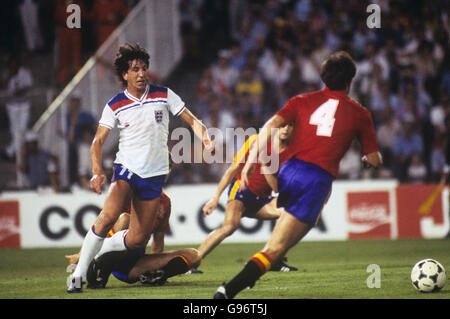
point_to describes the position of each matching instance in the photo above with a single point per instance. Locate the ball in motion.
(428, 275)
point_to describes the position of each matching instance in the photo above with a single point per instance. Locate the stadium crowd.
(272, 49)
(275, 50)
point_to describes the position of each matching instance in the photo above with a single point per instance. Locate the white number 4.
(323, 117)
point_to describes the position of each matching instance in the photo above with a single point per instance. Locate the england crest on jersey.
(158, 116)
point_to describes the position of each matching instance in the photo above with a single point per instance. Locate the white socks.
(91, 245)
(114, 243)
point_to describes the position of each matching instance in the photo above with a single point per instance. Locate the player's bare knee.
(137, 241)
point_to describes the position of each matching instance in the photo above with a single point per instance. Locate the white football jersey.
(144, 128)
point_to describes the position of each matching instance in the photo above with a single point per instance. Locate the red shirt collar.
(336, 93)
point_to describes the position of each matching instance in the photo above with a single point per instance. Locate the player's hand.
(73, 259)
(210, 206)
(96, 183)
(373, 159)
(365, 163)
(210, 145)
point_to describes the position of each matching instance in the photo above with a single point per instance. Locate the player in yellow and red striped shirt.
(254, 202)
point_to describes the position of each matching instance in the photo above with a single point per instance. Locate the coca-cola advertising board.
(355, 210)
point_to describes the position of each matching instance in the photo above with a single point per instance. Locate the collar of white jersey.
(131, 97)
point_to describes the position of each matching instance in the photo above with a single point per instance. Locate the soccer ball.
(428, 275)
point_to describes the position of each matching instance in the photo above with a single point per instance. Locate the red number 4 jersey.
(325, 124)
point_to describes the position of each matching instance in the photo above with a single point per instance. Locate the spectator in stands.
(446, 146)
(426, 66)
(407, 143)
(361, 38)
(333, 35)
(29, 13)
(18, 104)
(244, 35)
(386, 133)
(437, 160)
(226, 118)
(371, 69)
(237, 56)
(77, 121)
(281, 35)
(69, 41)
(417, 172)
(38, 165)
(392, 79)
(438, 113)
(350, 165)
(309, 67)
(255, 58)
(190, 26)
(380, 101)
(250, 112)
(250, 83)
(223, 74)
(84, 158)
(107, 16)
(205, 87)
(317, 21)
(277, 71)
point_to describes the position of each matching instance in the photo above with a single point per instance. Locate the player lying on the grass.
(123, 222)
(131, 267)
(326, 122)
(254, 202)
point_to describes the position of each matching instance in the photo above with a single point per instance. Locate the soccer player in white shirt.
(141, 113)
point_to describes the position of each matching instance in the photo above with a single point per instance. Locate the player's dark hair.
(338, 71)
(127, 53)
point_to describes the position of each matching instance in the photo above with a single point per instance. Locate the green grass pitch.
(327, 270)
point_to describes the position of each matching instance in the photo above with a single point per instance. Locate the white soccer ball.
(428, 275)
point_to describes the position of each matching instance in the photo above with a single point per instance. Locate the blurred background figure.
(84, 158)
(29, 14)
(106, 16)
(18, 104)
(80, 124)
(69, 41)
(38, 166)
(18, 107)
(250, 55)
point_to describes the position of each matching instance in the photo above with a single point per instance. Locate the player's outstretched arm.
(264, 136)
(199, 129)
(98, 178)
(226, 179)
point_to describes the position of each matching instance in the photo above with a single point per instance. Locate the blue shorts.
(143, 188)
(127, 263)
(303, 189)
(252, 203)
